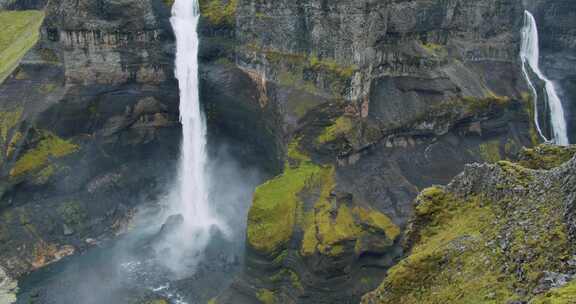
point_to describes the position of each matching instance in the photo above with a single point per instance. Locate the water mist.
(185, 245)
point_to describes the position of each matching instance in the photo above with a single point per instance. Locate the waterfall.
(530, 55)
(193, 189)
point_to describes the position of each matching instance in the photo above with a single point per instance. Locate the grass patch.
(48, 146)
(18, 34)
(272, 217)
(340, 127)
(563, 295)
(266, 296)
(546, 156)
(219, 12)
(490, 151)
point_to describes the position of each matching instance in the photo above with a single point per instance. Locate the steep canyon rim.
(435, 89)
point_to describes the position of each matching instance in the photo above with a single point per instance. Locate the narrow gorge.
(309, 151)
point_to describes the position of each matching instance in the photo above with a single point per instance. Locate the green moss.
(157, 301)
(18, 33)
(44, 175)
(47, 88)
(331, 66)
(295, 154)
(219, 12)
(341, 126)
(330, 225)
(434, 48)
(474, 250)
(546, 156)
(448, 263)
(309, 240)
(266, 296)
(379, 221)
(521, 174)
(168, 3)
(212, 301)
(13, 143)
(72, 213)
(562, 295)
(479, 105)
(292, 67)
(528, 101)
(48, 146)
(8, 120)
(272, 217)
(490, 151)
(286, 274)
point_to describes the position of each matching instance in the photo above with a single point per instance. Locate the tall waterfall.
(530, 55)
(193, 190)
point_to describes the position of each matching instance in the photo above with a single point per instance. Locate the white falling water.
(530, 55)
(193, 194)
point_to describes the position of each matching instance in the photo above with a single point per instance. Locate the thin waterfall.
(530, 55)
(193, 189)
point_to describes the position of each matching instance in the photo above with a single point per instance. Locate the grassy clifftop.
(18, 33)
(499, 233)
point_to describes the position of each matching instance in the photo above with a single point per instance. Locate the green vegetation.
(471, 249)
(292, 67)
(562, 295)
(272, 216)
(527, 99)
(212, 301)
(330, 225)
(157, 301)
(219, 12)
(434, 48)
(448, 262)
(520, 174)
(48, 146)
(8, 120)
(331, 66)
(18, 33)
(546, 156)
(341, 126)
(72, 213)
(266, 296)
(478, 105)
(490, 151)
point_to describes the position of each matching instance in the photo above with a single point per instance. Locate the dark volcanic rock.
(95, 128)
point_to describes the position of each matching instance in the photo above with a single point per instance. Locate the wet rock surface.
(392, 96)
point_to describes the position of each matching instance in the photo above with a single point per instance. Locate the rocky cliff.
(354, 106)
(89, 120)
(498, 233)
(374, 101)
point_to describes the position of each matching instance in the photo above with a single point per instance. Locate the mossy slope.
(494, 235)
(299, 218)
(18, 33)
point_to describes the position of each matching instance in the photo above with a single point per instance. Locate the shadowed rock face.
(358, 104)
(394, 96)
(95, 128)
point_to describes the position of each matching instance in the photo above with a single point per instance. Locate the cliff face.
(354, 105)
(500, 233)
(374, 100)
(89, 128)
